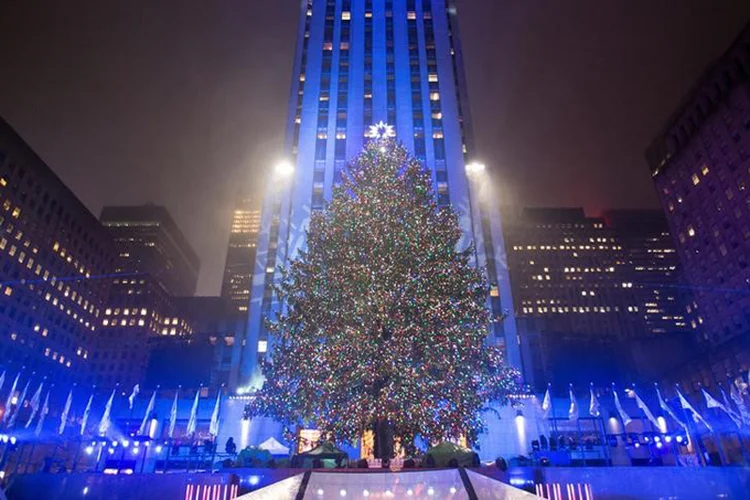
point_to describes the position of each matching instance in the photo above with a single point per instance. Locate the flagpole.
(599, 425)
(739, 433)
(624, 431)
(554, 418)
(717, 437)
(699, 450)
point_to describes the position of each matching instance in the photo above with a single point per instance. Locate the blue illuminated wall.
(360, 62)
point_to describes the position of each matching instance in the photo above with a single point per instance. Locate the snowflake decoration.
(381, 130)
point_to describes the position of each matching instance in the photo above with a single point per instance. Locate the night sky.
(179, 102)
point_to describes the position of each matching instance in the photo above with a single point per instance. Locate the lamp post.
(474, 173)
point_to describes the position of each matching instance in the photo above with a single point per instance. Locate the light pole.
(474, 171)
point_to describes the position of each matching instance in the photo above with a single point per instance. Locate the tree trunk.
(383, 439)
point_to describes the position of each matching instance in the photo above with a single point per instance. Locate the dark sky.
(178, 102)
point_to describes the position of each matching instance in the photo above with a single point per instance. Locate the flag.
(685, 405)
(104, 422)
(131, 399)
(42, 414)
(594, 406)
(192, 422)
(736, 418)
(19, 405)
(36, 399)
(546, 404)
(646, 411)
(711, 402)
(64, 415)
(9, 401)
(665, 407)
(86, 413)
(213, 429)
(573, 410)
(623, 416)
(150, 408)
(173, 415)
(736, 396)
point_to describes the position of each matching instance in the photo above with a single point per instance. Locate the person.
(230, 447)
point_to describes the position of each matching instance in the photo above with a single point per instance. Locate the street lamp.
(284, 169)
(475, 168)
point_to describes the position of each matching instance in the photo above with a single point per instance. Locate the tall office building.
(359, 63)
(155, 263)
(699, 163)
(588, 289)
(243, 242)
(150, 242)
(652, 265)
(55, 261)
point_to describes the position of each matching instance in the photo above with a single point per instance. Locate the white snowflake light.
(381, 130)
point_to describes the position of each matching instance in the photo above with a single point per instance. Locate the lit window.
(696, 180)
(704, 170)
(691, 231)
(432, 77)
(8, 291)
(346, 15)
(262, 345)
(434, 96)
(16, 212)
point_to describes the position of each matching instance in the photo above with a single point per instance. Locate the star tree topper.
(381, 130)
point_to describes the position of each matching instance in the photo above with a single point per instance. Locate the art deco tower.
(359, 63)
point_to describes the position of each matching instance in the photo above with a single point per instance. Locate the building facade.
(699, 163)
(243, 242)
(55, 263)
(589, 290)
(359, 63)
(149, 242)
(154, 264)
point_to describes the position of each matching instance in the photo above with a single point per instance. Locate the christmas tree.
(384, 320)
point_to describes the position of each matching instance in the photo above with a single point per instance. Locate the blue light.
(158, 448)
(637, 445)
(657, 439)
(254, 480)
(679, 439)
(89, 450)
(668, 439)
(111, 451)
(659, 445)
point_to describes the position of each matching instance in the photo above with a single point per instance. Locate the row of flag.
(40, 410)
(740, 416)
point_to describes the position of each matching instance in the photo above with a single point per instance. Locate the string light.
(384, 319)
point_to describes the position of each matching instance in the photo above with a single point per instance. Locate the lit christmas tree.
(384, 321)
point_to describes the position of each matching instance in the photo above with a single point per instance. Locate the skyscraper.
(587, 288)
(699, 163)
(243, 242)
(155, 263)
(55, 264)
(150, 242)
(359, 64)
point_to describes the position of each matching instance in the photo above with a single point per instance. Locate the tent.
(445, 451)
(274, 447)
(327, 453)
